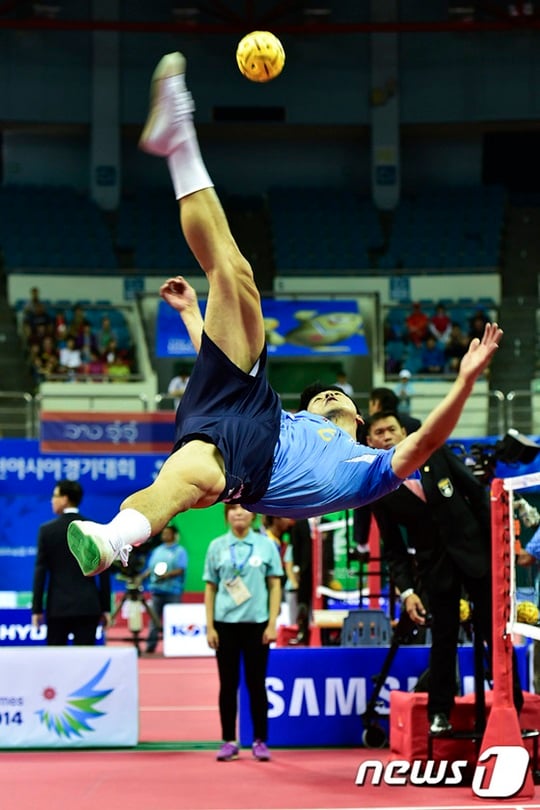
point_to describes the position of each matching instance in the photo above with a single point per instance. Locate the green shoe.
(91, 548)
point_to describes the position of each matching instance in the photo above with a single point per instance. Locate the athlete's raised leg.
(194, 475)
(233, 318)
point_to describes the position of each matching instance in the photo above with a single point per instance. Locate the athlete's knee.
(236, 273)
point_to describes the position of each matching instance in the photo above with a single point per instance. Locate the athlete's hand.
(480, 352)
(179, 294)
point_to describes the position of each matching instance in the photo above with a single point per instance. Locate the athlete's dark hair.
(316, 388)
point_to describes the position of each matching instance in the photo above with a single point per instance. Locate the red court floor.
(174, 767)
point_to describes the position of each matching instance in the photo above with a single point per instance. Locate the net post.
(502, 729)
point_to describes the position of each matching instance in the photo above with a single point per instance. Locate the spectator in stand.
(76, 325)
(118, 370)
(38, 321)
(60, 325)
(105, 334)
(416, 324)
(432, 357)
(477, 323)
(49, 358)
(70, 357)
(95, 367)
(404, 391)
(440, 324)
(33, 302)
(456, 346)
(36, 365)
(86, 342)
(342, 383)
(178, 384)
(111, 351)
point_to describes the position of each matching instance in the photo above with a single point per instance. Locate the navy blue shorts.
(238, 413)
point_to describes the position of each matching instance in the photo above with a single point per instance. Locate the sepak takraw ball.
(527, 612)
(260, 56)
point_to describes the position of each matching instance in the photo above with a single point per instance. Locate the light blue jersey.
(174, 556)
(318, 468)
(253, 558)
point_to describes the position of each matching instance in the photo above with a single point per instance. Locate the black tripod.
(374, 735)
(134, 597)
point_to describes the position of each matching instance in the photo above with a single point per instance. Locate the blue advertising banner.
(27, 480)
(16, 629)
(111, 433)
(293, 329)
(317, 696)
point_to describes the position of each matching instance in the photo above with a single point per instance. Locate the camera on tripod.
(513, 448)
(133, 598)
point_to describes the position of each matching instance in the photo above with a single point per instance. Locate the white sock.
(186, 167)
(129, 527)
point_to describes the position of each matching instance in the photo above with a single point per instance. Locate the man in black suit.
(446, 517)
(75, 603)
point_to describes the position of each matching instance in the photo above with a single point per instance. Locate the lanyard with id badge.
(236, 587)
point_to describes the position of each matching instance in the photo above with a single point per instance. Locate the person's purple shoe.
(260, 751)
(227, 752)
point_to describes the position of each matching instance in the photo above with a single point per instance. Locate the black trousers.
(83, 629)
(444, 607)
(242, 641)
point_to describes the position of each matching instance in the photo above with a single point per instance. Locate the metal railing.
(17, 414)
(20, 410)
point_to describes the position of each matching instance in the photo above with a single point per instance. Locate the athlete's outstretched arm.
(435, 430)
(182, 297)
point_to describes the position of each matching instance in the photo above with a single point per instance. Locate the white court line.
(177, 671)
(177, 708)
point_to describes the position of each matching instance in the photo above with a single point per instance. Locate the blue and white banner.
(51, 698)
(27, 480)
(293, 329)
(106, 433)
(16, 629)
(317, 696)
(184, 631)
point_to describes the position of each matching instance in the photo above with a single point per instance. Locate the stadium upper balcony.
(148, 230)
(53, 228)
(443, 229)
(320, 230)
(315, 229)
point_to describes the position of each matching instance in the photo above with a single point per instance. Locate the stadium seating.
(53, 227)
(315, 230)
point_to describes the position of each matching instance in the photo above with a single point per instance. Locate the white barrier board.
(184, 631)
(68, 697)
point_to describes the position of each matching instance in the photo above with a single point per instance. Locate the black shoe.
(439, 724)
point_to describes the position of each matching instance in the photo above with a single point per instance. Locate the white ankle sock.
(129, 527)
(186, 167)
